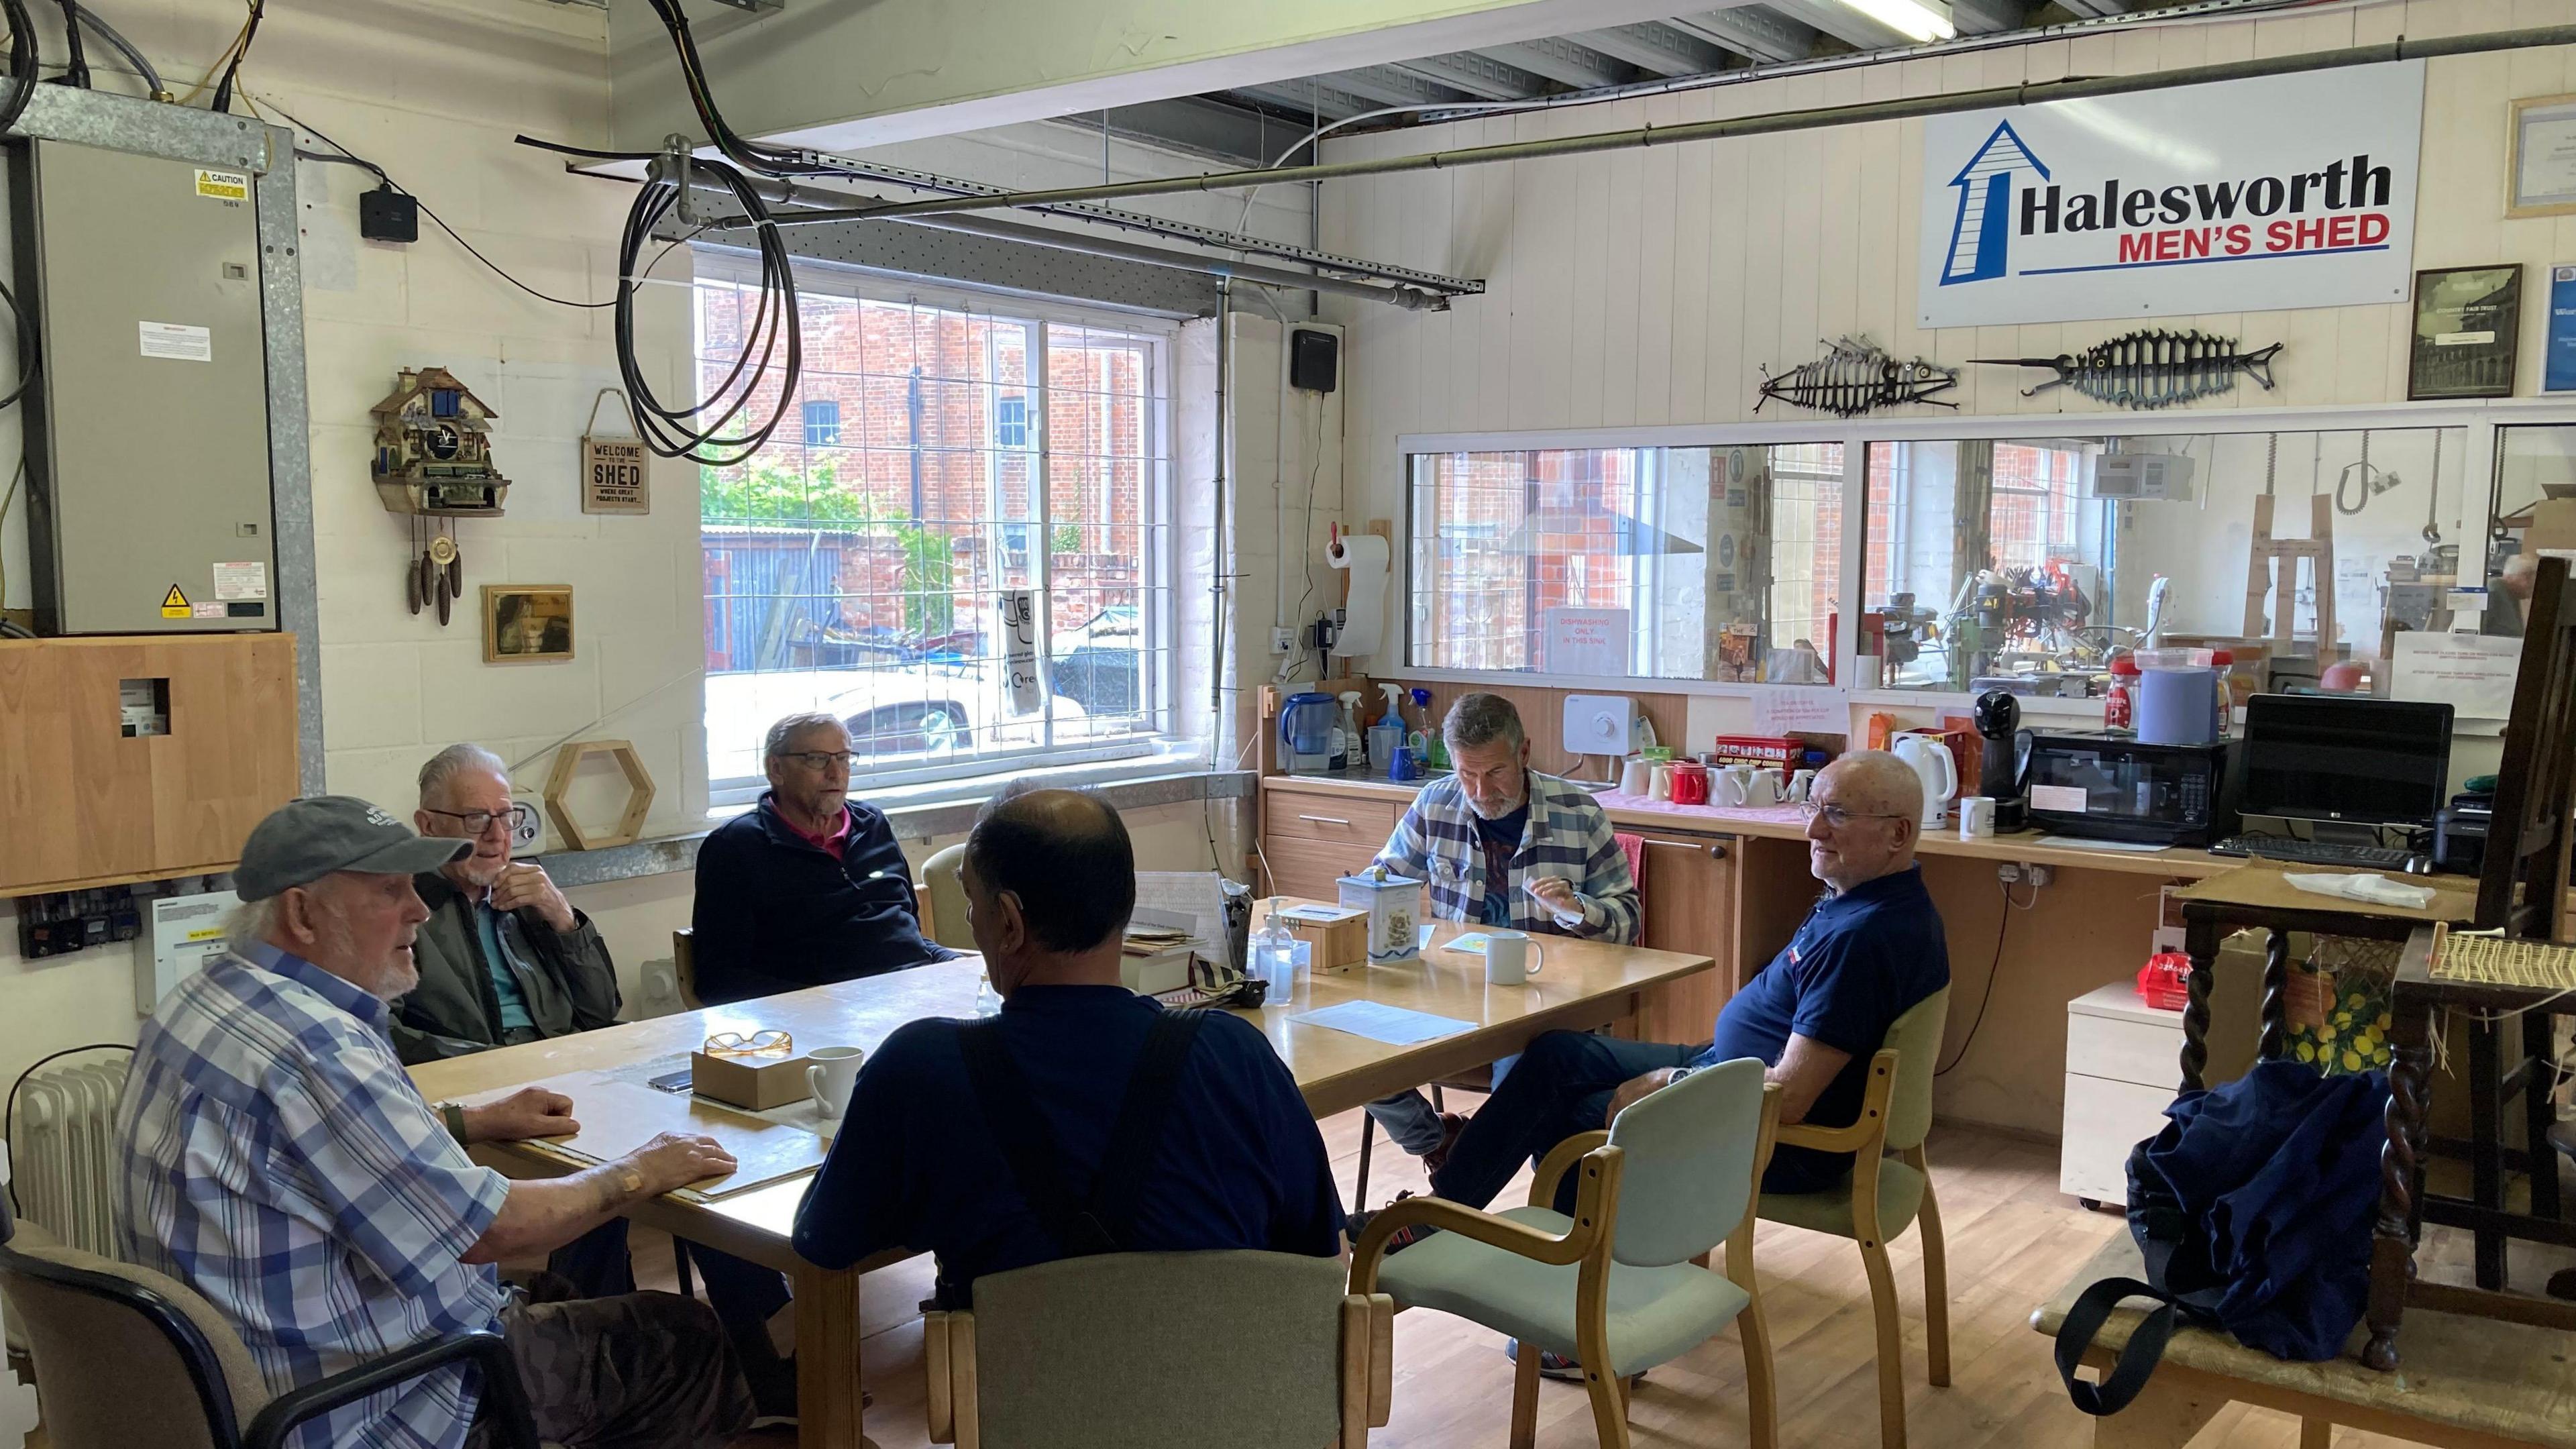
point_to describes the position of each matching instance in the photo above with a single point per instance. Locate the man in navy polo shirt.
(1869, 950)
(809, 887)
(958, 1130)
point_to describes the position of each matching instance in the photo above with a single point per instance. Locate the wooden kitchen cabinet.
(88, 798)
(1688, 887)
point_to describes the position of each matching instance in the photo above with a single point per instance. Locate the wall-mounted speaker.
(1314, 360)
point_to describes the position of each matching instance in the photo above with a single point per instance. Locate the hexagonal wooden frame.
(639, 799)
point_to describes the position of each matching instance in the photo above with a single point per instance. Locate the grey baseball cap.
(304, 840)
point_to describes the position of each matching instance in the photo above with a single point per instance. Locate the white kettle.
(1939, 773)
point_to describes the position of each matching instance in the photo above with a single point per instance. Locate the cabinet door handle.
(1325, 819)
(1715, 852)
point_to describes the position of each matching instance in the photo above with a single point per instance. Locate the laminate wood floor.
(2012, 1238)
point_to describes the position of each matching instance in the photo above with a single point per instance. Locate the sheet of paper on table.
(618, 1117)
(1193, 900)
(1379, 1022)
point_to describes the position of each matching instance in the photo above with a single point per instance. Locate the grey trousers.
(1408, 1120)
(637, 1371)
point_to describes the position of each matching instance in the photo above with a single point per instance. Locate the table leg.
(2200, 943)
(2392, 1243)
(2486, 1146)
(2276, 995)
(827, 1360)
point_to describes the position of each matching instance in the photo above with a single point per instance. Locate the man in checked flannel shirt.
(1502, 845)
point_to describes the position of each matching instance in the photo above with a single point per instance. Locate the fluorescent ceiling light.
(1919, 20)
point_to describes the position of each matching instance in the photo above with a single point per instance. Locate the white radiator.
(63, 1159)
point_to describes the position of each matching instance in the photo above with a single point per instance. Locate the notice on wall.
(246, 580)
(177, 341)
(613, 476)
(1020, 649)
(1587, 641)
(2243, 196)
(1801, 709)
(2470, 672)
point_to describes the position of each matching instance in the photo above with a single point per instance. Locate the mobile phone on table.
(670, 1081)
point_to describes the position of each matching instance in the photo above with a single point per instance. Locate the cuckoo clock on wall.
(434, 465)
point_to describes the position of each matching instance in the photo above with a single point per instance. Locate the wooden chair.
(1884, 1195)
(943, 899)
(125, 1356)
(1162, 1351)
(684, 966)
(1621, 1284)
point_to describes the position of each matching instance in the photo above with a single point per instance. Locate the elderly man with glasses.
(1870, 948)
(504, 958)
(809, 887)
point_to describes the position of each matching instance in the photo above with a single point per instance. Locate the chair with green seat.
(1884, 1194)
(1619, 1286)
(943, 888)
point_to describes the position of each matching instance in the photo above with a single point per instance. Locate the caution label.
(174, 604)
(223, 185)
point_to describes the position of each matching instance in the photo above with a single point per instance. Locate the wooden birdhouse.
(434, 448)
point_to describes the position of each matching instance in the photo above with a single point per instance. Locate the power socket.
(2038, 875)
(1281, 641)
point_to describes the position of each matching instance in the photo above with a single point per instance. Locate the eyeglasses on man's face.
(1836, 817)
(821, 761)
(475, 822)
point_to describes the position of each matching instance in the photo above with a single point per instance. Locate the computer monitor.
(2367, 761)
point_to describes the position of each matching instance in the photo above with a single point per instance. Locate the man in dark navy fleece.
(935, 1154)
(809, 887)
(1869, 950)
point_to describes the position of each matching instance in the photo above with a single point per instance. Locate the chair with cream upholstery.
(943, 892)
(1618, 1286)
(1884, 1194)
(1162, 1351)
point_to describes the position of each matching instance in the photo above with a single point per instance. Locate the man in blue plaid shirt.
(279, 1161)
(1502, 845)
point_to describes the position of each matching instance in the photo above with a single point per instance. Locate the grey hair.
(455, 760)
(251, 921)
(796, 724)
(1480, 719)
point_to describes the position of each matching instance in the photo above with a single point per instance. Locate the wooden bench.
(2467, 1382)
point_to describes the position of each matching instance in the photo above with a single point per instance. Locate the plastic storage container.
(2177, 697)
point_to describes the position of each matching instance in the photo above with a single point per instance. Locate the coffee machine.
(2006, 756)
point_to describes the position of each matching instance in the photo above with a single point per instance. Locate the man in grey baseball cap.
(280, 1161)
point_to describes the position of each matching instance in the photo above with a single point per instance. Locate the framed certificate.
(2468, 322)
(2542, 179)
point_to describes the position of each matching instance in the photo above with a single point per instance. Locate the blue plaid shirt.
(1567, 836)
(280, 1161)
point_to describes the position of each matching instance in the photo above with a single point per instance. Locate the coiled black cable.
(22, 62)
(698, 432)
(76, 61)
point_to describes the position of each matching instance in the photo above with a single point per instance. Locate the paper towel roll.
(1364, 555)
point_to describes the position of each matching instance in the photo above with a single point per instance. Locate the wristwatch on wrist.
(453, 1114)
(1678, 1073)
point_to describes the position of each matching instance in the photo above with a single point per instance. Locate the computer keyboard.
(2311, 852)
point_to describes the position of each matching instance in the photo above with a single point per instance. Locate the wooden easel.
(2273, 568)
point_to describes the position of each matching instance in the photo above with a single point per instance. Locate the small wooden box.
(757, 1084)
(1337, 935)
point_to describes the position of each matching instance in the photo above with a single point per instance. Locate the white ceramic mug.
(1730, 784)
(1762, 787)
(1977, 817)
(1800, 784)
(1507, 956)
(1636, 776)
(831, 1074)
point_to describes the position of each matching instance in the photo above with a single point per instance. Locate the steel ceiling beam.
(1566, 62)
(1298, 100)
(1386, 85)
(1753, 30)
(1478, 74)
(1657, 49)
(2093, 9)
(1194, 124)
(1990, 17)
(1843, 23)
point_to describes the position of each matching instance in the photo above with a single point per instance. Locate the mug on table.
(832, 1073)
(1507, 958)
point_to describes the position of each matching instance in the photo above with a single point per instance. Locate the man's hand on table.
(526, 885)
(676, 1159)
(1635, 1090)
(525, 1113)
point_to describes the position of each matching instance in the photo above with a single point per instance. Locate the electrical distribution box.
(149, 501)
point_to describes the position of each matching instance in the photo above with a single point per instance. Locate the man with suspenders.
(1082, 1118)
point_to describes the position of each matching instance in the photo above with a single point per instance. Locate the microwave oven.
(2110, 785)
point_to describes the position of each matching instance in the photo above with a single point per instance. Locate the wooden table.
(1584, 984)
(2470, 1383)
